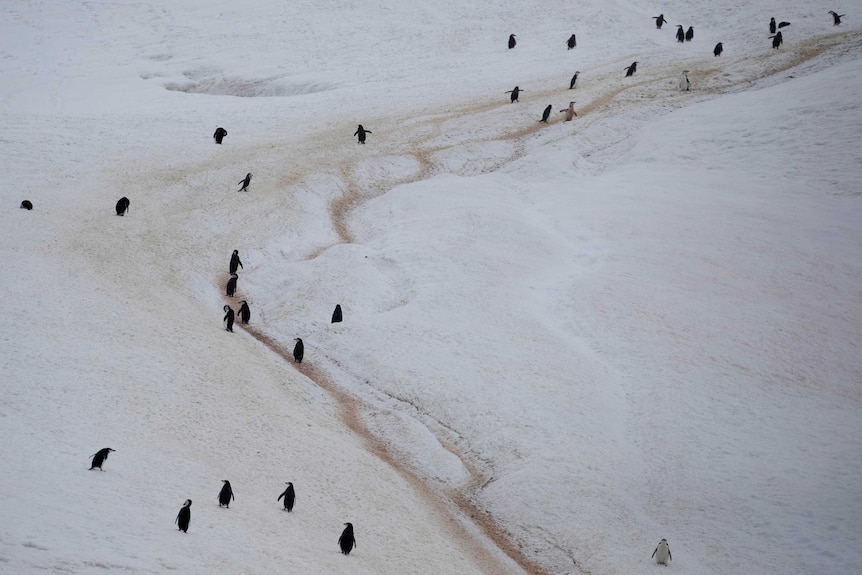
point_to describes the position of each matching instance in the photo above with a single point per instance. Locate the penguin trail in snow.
(99, 458)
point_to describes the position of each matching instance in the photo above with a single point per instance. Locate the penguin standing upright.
(99, 457)
(684, 83)
(230, 288)
(245, 182)
(573, 80)
(234, 262)
(659, 20)
(228, 318)
(514, 94)
(572, 42)
(122, 206)
(347, 541)
(719, 48)
(680, 33)
(244, 312)
(219, 135)
(662, 553)
(836, 18)
(360, 132)
(184, 516)
(546, 113)
(512, 41)
(336, 315)
(570, 112)
(225, 495)
(777, 40)
(630, 70)
(298, 351)
(772, 25)
(289, 497)
(26, 205)
(689, 34)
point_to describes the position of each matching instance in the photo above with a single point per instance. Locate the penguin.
(631, 69)
(99, 457)
(230, 289)
(570, 112)
(572, 42)
(777, 40)
(347, 541)
(689, 34)
(512, 41)
(122, 206)
(219, 135)
(772, 25)
(783, 25)
(719, 48)
(228, 318)
(836, 18)
(244, 312)
(680, 34)
(184, 516)
(684, 83)
(289, 497)
(659, 20)
(26, 205)
(360, 131)
(225, 495)
(662, 553)
(245, 182)
(574, 79)
(234, 262)
(298, 351)
(546, 113)
(336, 315)
(514, 92)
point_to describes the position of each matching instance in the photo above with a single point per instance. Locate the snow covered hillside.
(561, 342)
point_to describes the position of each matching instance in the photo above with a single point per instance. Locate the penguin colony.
(347, 540)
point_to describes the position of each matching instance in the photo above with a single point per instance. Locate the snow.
(561, 343)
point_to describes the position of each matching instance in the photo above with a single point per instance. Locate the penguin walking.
(659, 20)
(680, 33)
(719, 48)
(689, 34)
(573, 80)
(514, 94)
(684, 83)
(244, 312)
(228, 318)
(230, 288)
(570, 112)
(336, 315)
(836, 18)
(26, 205)
(772, 25)
(245, 182)
(360, 132)
(347, 541)
(777, 40)
(289, 497)
(184, 516)
(225, 495)
(512, 41)
(630, 70)
(298, 351)
(572, 42)
(99, 458)
(122, 206)
(234, 262)
(662, 553)
(219, 135)
(546, 113)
